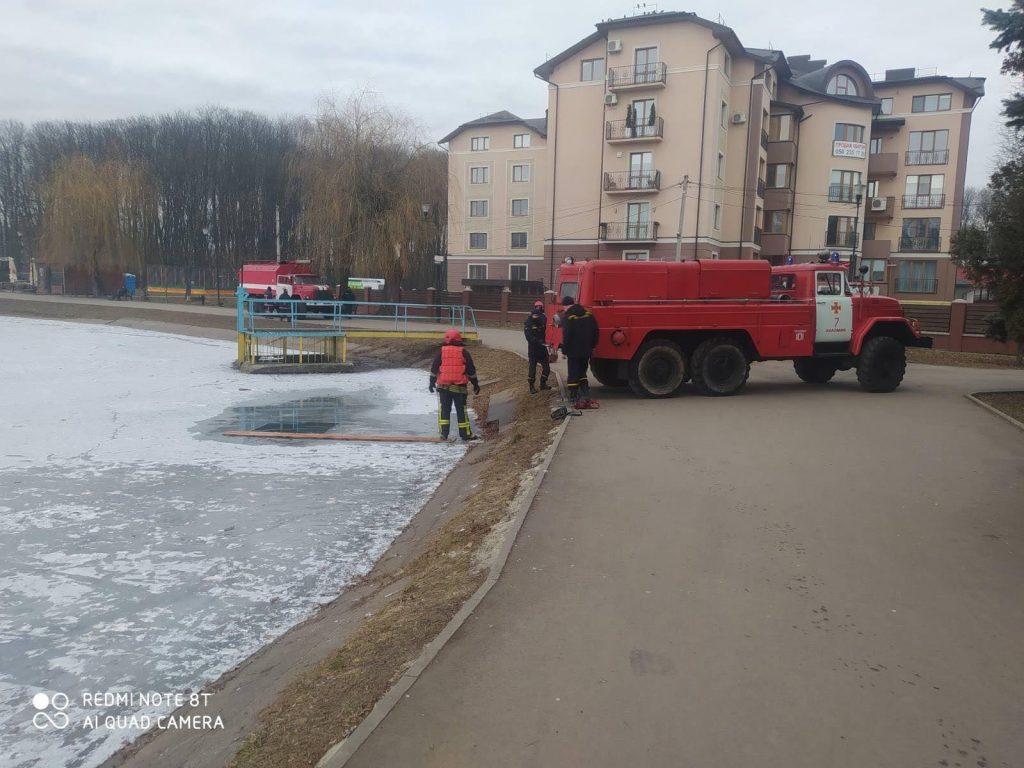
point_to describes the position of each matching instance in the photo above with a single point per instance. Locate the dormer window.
(842, 85)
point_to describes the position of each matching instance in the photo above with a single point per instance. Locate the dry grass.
(328, 702)
(1010, 403)
(960, 359)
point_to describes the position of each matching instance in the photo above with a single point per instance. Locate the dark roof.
(813, 75)
(722, 32)
(778, 58)
(538, 124)
(973, 85)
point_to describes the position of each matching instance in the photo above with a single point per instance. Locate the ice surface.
(140, 551)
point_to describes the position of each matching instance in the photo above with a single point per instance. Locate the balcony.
(924, 201)
(880, 208)
(619, 182)
(844, 193)
(782, 152)
(764, 139)
(760, 187)
(773, 244)
(934, 157)
(629, 231)
(876, 249)
(917, 285)
(926, 244)
(641, 76)
(883, 164)
(622, 131)
(778, 199)
(841, 240)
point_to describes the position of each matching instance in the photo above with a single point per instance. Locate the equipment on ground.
(663, 324)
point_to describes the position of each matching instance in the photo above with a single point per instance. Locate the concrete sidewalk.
(796, 576)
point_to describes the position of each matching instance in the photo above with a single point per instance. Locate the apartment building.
(667, 138)
(498, 198)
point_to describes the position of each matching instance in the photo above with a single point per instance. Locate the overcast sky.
(443, 62)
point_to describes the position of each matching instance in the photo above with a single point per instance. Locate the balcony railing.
(641, 74)
(841, 240)
(924, 201)
(760, 187)
(917, 285)
(933, 157)
(926, 244)
(844, 193)
(764, 139)
(629, 231)
(622, 130)
(632, 181)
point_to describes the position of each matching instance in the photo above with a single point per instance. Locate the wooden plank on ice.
(332, 436)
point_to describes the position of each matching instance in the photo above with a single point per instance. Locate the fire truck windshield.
(304, 279)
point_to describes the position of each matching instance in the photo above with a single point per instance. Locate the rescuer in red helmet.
(535, 329)
(450, 374)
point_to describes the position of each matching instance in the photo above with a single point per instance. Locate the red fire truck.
(296, 276)
(665, 323)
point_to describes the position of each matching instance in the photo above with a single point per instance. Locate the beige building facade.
(667, 138)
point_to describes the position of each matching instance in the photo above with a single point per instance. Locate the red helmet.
(451, 335)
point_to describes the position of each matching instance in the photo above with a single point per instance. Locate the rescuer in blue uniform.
(451, 373)
(535, 329)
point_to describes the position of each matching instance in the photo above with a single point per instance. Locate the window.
(840, 231)
(917, 276)
(592, 69)
(517, 272)
(638, 221)
(924, 192)
(936, 102)
(477, 240)
(727, 65)
(780, 128)
(849, 132)
(480, 143)
(928, 148)
(829, 283)
(644, 114)
(521, 141)
(876, 147)
(645, 65)
(519, 240)
(520, 207)
(641, 170)
(721, 165)
(716, 221)
(876, 270)
(778, 176)
(887, 105)
(920, 235)
(842, 85)
(520, 173)
(636, 256)
(477, 271)
(845, 187)
(775, 222)
(725, 115)
(869, 230)
(873, 188)
(477, 207)
(480, 174)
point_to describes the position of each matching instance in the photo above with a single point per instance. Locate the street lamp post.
(852, 269)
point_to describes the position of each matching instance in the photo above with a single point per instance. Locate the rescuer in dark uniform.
(450, 374)
(579, 337)
(535, 328)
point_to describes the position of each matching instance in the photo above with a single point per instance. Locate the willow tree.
(363, 182)
(96, 215)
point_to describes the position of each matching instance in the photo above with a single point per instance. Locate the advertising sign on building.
(849, 149)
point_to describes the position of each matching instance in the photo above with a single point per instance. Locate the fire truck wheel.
(882, 363)
(814, 371)
(720, 367)
(607, 372)
(657, 369)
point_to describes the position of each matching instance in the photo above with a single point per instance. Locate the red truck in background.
(665, 323)
(296, 276)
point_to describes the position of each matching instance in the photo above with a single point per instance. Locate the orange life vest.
(453, 366)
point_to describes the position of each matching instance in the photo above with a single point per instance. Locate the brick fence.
(958, 327)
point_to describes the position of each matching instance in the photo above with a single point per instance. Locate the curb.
(1006, 417)
(338, 755)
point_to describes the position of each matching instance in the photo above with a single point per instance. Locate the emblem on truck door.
(836, 307)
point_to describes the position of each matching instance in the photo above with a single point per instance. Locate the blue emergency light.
(835, 257)
(789, 260)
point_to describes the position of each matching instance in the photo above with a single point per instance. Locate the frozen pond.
(141, 552)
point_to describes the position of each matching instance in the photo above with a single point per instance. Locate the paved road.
(793, 577)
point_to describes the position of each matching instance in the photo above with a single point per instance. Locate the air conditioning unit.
(739, 118)
(614, 46)
(878, 203)
(611, 99)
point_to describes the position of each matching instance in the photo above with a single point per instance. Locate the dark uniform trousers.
(538, 353)
(453, 394)
(577, 384)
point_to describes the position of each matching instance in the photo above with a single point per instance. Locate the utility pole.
(852, 269)
(684, 184)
